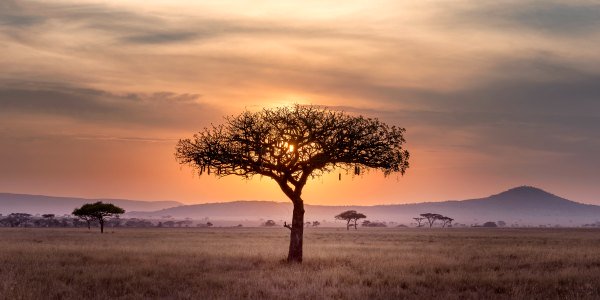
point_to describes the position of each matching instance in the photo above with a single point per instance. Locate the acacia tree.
(446, 221)
(17, 219)
(419, 220)
(291, 145)
(350, 216)
(431, 218)
(98, 211)
(84, 215)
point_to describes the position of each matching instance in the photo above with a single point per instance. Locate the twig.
(287, 225)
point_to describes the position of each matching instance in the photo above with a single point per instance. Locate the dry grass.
(247, 263)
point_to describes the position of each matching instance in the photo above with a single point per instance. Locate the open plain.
(247, 263)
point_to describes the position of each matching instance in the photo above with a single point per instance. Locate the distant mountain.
(33, 204)
(523, 205)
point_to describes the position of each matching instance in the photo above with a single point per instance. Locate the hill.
(33, 204)
(523, 205)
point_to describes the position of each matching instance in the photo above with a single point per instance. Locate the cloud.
(557, 18)
(125, 26)
(537, 104)
(156, 110)
(515, 94)
(11, 15)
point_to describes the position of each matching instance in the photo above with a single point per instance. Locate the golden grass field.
(246, 263)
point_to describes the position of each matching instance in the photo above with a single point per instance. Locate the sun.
(288, 100)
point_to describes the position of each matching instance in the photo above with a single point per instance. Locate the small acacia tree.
(291, 145)
(419, 221)
(350, 216)
(446, 221)
(98, 211)
(431, 218)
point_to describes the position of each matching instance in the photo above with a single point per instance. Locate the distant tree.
(501, 224)
(269, 223)
(84, 214)
(367, 223)
(47, 220)
(291, 145)
(209, 224)
(419, 221)
(184, 223)
(316, 223)
(307, 224)
(98, 211)
(489, 224)
(134, 222)
(17, 219)
(431, 218)
(446, 221)
(350, 216)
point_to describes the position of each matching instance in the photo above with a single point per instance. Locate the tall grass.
(234, 263)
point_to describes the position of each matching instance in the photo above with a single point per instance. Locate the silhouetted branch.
(288, 226)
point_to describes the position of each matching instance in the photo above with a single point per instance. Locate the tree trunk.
(355, 220)
(89, 226)
(101, 226)
(297, 231)
(348, 225)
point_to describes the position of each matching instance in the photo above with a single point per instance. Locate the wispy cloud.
(162, 109)
(555, 18)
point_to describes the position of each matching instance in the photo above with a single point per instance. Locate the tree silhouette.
(419, 220)
(446, 221)
(97, 211)
(291, 145)
(431, 218)
(17, 219)
(269, 223)
(489, 224)
(350, 216)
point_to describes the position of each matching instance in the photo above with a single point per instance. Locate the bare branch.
(287, 225)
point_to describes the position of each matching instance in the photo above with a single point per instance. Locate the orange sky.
(95, 94)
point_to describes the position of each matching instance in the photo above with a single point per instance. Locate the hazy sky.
(95, 94)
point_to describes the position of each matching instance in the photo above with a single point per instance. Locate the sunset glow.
(94, 95)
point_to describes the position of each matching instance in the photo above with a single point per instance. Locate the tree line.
(70, 221)
(431, 218)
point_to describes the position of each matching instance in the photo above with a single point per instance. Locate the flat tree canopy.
(98, 211)
(349, 216)
(292, 144)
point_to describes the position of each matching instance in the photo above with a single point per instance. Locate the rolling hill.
(33, 204)
(523, 205)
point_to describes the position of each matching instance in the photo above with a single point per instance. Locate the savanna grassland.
(234, 263)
